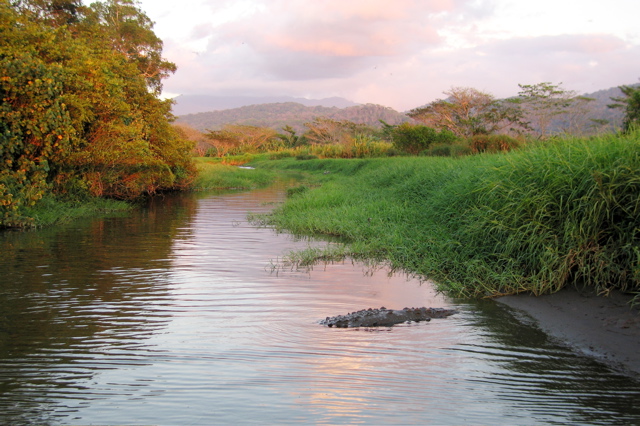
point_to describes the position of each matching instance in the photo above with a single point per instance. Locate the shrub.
(447, 150)
(493, 143)
(278, 155)
(306, 157)
(211, 152)
(415, 139)
(460, 149)
(438, 150)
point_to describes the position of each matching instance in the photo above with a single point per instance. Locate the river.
(182, 313)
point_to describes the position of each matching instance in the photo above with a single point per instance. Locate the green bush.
(447, 150)
(415, 139)
(306, 157)
(278, 155)
(438, 150)
(211, 152)
(493, 143)
(460, 149)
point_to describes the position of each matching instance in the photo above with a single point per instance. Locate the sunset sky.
(397, 53)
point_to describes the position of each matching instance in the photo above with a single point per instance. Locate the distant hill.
(265, 112)
(599, 109)
(278, 115)
(193, 104)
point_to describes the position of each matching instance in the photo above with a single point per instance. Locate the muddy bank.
(606, 328)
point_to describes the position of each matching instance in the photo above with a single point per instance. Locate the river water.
(181, 313)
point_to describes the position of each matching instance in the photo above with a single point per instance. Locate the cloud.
(336, 38)
(401, 54)
(498, 66)
(560, 44)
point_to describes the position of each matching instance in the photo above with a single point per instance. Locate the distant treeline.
(80, 113)
(591, 108)
(467, 122)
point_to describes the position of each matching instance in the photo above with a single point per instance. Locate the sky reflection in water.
(173, 316)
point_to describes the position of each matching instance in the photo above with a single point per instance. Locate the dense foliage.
(630, 102)
(80, 113)
(415, 139)
(467, 112)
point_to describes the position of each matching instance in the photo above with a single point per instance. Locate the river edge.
(605, 328)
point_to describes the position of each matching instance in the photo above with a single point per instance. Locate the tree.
(130, 32)
(198, 139)
(326, 131)
(52, 12)
(575, 120)
(289, 137)
(631, 104)
(467, 112)
(35, 124)
(77, 115)
(240, 138)
(544, 102)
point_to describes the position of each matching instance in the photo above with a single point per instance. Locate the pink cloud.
(336, 38)
(602, 43)
(320, 47)
(392, 53)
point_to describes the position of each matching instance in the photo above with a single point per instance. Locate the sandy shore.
(606, 328)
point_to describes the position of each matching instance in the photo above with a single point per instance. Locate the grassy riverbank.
(533, 220)
(212, 174)
(215, 174)
(233, 173)
(53, 210)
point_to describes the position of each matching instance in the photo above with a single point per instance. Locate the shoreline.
(604, 328)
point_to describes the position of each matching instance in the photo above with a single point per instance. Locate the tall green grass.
(359, 147)
(53, 210)
(533, 220)
(213, 173)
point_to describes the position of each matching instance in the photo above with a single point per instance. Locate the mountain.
(192, 104)
(277, 112)
(599, 109)
(596, 109)
(278, 115)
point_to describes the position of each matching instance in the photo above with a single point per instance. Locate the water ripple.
(173, 317)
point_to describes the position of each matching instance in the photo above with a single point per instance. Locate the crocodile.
(384, 317)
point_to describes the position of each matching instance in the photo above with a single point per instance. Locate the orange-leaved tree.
(80, 112)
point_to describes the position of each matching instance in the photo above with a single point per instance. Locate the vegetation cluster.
(219, 175)
(328, 138)
(80, 113)
(81, 119)
(467, 122)
(532, 220)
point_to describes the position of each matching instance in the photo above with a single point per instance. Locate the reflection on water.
(172, 316)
